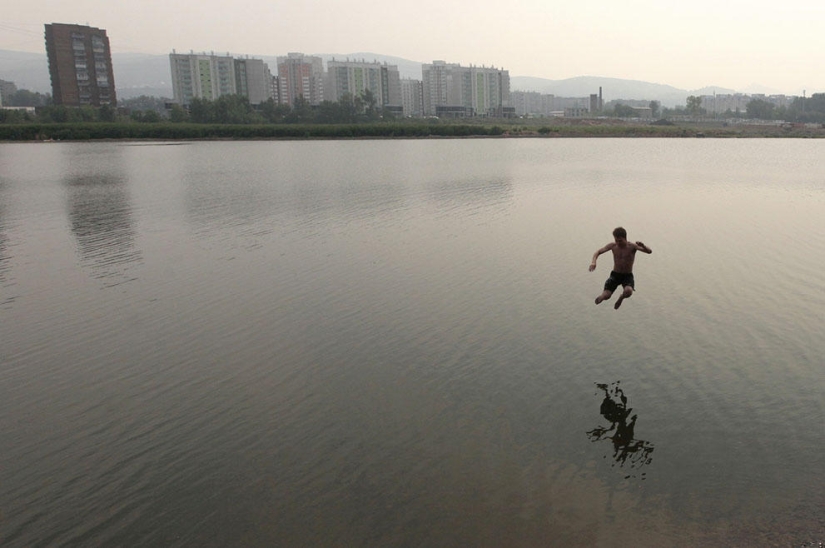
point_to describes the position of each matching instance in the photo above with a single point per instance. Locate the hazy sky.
(688, 44)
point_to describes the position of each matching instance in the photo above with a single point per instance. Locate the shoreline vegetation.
(406, 129)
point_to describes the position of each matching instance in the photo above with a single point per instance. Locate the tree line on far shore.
(801, 110)
(227, 109)
(363, 108)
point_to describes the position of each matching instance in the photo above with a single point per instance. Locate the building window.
(98, 45)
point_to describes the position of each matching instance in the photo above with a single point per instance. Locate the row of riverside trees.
(363, 108)
(234, 109)
(227, 109)
(801, 110)
(59, 114)
(26, 98)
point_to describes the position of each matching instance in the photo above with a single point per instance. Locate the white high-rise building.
(356, 77)
(208, 76)
(455, 91)
(434, 85)
(412, 99)
(202, 76)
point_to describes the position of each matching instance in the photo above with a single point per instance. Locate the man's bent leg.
(627, 292)
(604, 296)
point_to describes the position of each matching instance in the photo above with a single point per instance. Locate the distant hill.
(27, 70)
(141, 74)
(612, 89)
(145, 74)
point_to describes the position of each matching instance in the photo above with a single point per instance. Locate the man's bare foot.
(618, 303)
(599, 299)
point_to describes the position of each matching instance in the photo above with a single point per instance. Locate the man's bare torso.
(623, 257)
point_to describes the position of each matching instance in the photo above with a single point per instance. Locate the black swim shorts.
(618, 278)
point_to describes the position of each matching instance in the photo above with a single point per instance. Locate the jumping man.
(624, 253)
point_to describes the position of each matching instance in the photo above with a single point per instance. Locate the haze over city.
(735, 44)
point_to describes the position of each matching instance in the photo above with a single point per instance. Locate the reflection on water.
(101, 219)
(257, 196)
(626, 449)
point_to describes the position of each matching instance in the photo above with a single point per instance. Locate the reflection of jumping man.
(626, 449)
(624, 253)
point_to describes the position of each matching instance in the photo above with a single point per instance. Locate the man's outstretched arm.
(642, 247)
(605, 249)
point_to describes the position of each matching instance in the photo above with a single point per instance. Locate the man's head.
(620, 235)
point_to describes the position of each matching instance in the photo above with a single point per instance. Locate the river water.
(394, 343)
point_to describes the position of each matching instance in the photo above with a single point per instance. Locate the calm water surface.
(394, 343)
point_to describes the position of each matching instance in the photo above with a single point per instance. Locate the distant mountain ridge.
(147, 74)
(611, 88)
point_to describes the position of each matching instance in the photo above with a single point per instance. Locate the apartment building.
(300, 75)
(356, 77)
(253, 80)
(456, 91)
(208, 76)
(80, 65)
(202, 76)
(532, 103)
(7, 89)
(412, 98)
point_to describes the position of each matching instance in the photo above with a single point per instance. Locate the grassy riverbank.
(381, 130)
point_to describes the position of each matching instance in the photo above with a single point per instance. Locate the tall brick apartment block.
(80, 65)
